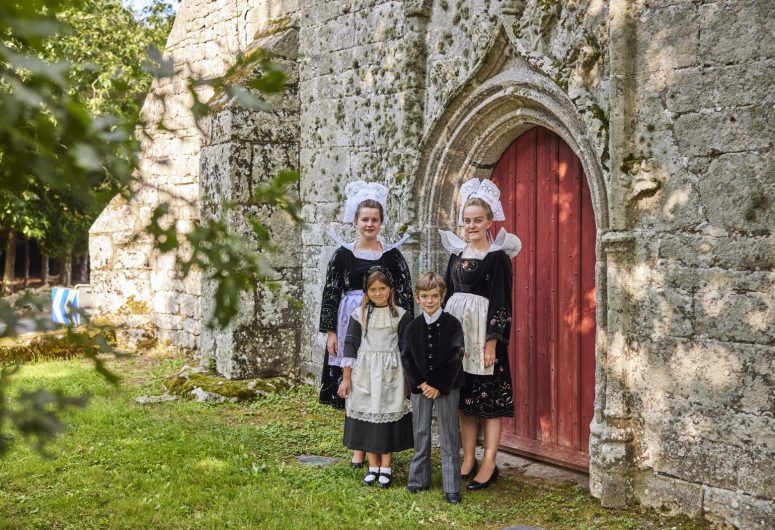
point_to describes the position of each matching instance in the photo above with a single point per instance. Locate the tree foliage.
(107, 47)
(67, 147)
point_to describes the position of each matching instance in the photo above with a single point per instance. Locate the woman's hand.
(332, 346)
(489, 353)
(344, 389)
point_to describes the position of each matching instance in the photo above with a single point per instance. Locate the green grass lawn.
(190, 465)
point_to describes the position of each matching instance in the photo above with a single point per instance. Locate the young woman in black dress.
(366, 208)
(479, 277)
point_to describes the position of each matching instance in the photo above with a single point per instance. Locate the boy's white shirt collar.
(430, 319)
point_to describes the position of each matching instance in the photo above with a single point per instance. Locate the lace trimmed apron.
(377, 394)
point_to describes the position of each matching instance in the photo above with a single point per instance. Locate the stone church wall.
(692, 185)
(669, 106)
(135, 286)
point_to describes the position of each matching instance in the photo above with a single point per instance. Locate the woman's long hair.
(367, 306)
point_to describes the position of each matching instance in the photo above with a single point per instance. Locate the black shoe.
(385, 485)
(453, 498)
(474, 485)
(356, 465)
(472, 473)
(372, 481)
(415, 489)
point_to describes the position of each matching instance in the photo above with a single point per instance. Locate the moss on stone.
(273, 27)
(47, 346)
(133, 306)
(756, 201)
(233, 390)
(601, 116)
(630, 162)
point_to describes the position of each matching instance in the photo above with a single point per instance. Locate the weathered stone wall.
(243, 149)
(134, 285)
(692, 189)
(362, 92)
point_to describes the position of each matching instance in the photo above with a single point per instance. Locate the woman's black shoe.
(474, 485)
(356, 465)
(389, 477)
(471, 473)
(370, 482)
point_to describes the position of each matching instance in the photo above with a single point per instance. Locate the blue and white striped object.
(60, 311)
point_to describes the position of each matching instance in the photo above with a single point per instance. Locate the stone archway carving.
(504, 97)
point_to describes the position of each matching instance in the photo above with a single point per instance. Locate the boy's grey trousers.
(449, 438)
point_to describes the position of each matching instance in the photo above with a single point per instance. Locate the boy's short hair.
(429, 281)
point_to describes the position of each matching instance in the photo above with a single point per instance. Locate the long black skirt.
(329, 384)
(387, 437)
(490, 396)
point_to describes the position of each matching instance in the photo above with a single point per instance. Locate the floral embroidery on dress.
(500, 318)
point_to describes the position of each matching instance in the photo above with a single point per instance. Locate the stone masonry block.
(669, 495)
(749, 253)
(692, 89)
(736, 32)
(673, 38)
(727, 507)
(726, 310)
(710, 133)
(737, 189)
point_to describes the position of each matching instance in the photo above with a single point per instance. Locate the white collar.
(509, 243)
(430, 319)
(351, 246)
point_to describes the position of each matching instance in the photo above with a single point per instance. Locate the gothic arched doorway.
(552, 349)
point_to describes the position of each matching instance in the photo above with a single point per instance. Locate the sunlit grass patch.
(183, 464)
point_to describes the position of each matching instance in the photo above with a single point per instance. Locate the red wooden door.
(552, 348)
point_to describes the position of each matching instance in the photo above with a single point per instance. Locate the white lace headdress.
(486, 190)
(360, 190)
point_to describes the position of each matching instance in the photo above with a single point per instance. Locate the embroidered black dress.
(488, 275)
(346, 270)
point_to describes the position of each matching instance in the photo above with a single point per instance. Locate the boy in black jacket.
(432, 358)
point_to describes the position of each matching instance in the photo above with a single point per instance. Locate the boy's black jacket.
(433, 354)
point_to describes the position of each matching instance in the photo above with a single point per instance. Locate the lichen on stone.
(133, 306)
(183, 385)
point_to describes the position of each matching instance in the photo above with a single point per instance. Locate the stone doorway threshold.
(534, 469)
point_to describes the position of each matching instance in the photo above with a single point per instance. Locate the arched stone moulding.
(503, 98)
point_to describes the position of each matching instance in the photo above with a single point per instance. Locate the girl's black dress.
(346, 273)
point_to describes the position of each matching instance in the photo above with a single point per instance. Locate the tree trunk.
(44, 269)
(83, 274)
(66, 270)
(78, 269)
(26, 262)
(10, 262)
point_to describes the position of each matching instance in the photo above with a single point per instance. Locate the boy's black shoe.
(453, 498)
(415, 489)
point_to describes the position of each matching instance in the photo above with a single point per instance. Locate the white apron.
(471, 310)
(377, 393)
